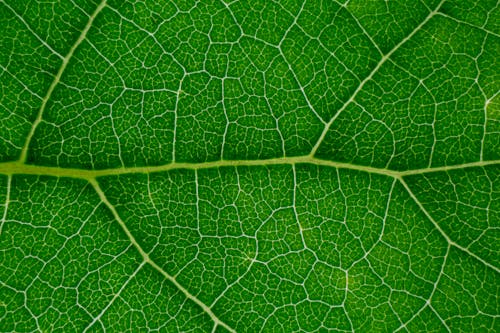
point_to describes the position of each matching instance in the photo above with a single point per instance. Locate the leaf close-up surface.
(250, 166)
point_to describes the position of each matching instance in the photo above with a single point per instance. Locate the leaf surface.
(247, 166)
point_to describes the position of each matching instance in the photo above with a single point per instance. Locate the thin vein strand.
(33, 32)
(449, 167)
(113, 299)
(7, 201)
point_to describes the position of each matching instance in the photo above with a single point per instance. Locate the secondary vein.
(148, 260)
(443, 233)
(57, 78)
(370, 76)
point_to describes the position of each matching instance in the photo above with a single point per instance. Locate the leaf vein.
(57, 78)
(370, 76)
(148, 260)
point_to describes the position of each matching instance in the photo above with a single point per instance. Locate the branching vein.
(448, 239)
(148, 260)
(370, 76)
(12, 168)
(57, 78)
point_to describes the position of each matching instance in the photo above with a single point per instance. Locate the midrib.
(12, 168)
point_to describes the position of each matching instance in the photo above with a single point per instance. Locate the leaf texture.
(250, 166)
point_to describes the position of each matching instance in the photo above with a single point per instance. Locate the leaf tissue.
(250, 166)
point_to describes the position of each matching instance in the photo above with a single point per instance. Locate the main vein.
(13, 168)
(57, 79)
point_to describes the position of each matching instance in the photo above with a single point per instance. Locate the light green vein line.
(19, 168)
(429, 300)
(444, 234)
(370, 76)
(33, 32)
(148, 260)
(449, 167)
(13, 168)
(57, 78)
(482, 28)
(115, 296)
(7, 200)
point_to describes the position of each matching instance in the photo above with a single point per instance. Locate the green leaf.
(247, 166)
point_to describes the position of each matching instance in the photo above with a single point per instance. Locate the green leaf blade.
(249, 166)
